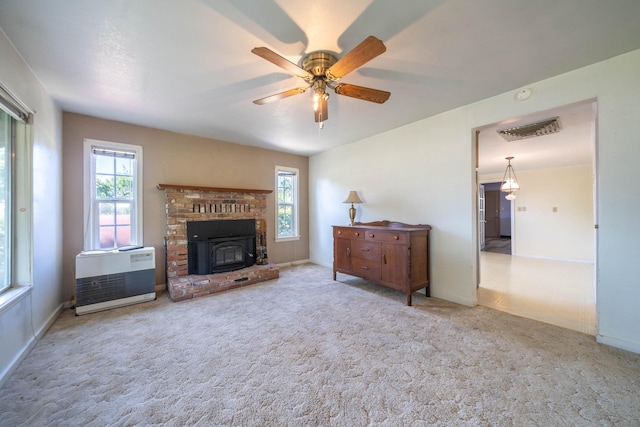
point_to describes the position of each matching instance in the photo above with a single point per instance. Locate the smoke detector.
(531, 130)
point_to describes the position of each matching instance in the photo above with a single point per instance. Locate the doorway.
(497, 222)
(547, 276)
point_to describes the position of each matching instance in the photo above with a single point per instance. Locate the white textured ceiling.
(187, 65)
(573, 145)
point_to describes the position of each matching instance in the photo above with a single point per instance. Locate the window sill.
(12, 296)
(287, 239)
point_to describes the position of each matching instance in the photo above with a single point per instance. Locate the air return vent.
(531, 130)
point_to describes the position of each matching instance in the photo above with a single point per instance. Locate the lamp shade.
(509, 185)
(509, 180)
(353, 198)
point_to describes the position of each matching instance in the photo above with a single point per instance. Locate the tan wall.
(171, 158)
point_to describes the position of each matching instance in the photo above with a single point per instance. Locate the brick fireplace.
(191, 203)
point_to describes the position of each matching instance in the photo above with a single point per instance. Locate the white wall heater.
(115, 278)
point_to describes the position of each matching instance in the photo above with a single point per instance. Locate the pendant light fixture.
(509, 181)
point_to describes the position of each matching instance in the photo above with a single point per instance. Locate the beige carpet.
(304, 350)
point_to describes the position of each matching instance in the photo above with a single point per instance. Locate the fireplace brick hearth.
(192, 203)
(193, 285)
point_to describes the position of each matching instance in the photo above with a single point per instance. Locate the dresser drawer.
(348, 232)
(385, 236)
(366, 250)
(367, 269)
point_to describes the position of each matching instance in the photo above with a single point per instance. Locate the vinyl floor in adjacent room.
(555, 292)
(499, 245)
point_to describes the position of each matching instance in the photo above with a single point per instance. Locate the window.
(286, 203)
(6, 217)
(113, 195)
(15, 195)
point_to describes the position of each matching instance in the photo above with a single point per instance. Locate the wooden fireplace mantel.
(201, 188)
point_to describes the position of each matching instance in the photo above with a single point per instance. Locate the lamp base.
(352, 214)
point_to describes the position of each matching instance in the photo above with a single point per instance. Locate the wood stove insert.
(218, 246)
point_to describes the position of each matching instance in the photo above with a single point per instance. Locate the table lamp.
(352, 198)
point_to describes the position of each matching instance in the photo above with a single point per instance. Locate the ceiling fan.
(321, 70)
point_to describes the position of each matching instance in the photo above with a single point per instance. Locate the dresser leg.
(409, 299)
(334, 275)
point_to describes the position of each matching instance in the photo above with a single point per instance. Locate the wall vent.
(531, 130)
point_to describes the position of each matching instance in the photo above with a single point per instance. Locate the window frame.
(19, 274)
(91, 217)
(7, 204)
(295, 204)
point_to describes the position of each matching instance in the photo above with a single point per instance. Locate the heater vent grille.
(531, 130)
(109, 287)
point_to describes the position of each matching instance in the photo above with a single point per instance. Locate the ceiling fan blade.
(281, 95)
(281, 62)
(360, 55)
(322, 113)
(364, 93)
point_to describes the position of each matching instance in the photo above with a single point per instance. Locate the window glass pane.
(123, 224)
(285, 220)
(124, 189)
(124, 166)
(123, 213)
(107, 213)
(123, 234)
(5, 200)
(107, 237)
(104, 187)
(104, 165)
(285, 188)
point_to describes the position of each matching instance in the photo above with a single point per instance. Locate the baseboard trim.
(292, 263)
(30, 345)
(576, 260)
(621, 344)
(452, 298)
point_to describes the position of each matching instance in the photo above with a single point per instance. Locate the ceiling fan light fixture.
(319, 94)
(321, 108)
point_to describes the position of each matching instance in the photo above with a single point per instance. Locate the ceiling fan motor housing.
(318, 63)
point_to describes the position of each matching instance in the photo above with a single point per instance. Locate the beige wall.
(171, 158)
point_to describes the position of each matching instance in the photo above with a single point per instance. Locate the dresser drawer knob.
(396, 237)
(372, 235)
(339, 232)
(357, 233)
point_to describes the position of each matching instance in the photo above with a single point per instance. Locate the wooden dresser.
(389, 253)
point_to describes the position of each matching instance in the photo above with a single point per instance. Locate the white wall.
(566, 234)
(24, 320)
(400, 174)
